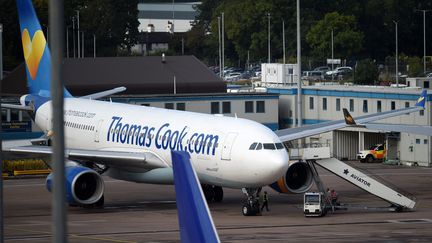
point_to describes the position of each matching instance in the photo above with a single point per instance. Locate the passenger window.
(253, 146)
(270, 146)
(259, 146)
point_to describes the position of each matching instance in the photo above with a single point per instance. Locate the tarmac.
(147, 213)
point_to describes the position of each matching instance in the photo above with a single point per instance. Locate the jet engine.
(297, 179)
(84, 186)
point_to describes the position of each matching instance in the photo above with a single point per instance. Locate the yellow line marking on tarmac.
(74, 235)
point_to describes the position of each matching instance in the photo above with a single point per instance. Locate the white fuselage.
(219, 146)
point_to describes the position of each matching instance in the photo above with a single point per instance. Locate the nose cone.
(270, 167)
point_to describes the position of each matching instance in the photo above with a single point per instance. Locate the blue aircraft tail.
(422, 100)
(36, 52)
(196, 224)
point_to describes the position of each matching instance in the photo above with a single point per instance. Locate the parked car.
(323, 69)
(376, 152)
(340, 71)
(234, 76)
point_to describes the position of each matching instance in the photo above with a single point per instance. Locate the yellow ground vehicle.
(376, 152)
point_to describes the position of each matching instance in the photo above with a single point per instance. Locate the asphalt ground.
(147, 213)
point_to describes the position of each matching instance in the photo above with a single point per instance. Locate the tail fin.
(36, 52)
(422, 99)
(349, 120)
(196, 223)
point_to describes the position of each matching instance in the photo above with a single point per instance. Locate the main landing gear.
(212, 193)
(252, 206)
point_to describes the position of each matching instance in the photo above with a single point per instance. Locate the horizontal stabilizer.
(104, 93)
(196, 224)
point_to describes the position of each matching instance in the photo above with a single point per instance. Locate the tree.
(347, 39)
(366, 72)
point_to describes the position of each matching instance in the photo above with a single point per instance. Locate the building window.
(337, 104)
(379, 106)
(425, 141)
(393, 105)
(249, 107)
(214, 108)
(181, 106)
(260, 106)
(351, 105)
(324, 104)
(426, 85)
(417, 141)
(311, 103)
(406, 106)
(421, 112)
(169, 106)
(365, 106)
(226, 107)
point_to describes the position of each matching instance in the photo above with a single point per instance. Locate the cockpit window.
(253, 146)
(270, 146)
(259, 146)
(279, 146)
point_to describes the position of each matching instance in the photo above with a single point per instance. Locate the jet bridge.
(321, 157)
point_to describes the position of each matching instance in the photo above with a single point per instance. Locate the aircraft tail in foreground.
(196, 223)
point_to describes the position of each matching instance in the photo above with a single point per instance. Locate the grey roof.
(140, 75)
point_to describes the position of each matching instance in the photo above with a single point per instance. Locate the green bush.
(366, 72)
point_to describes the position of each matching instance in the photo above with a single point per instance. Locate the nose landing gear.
(252, 206)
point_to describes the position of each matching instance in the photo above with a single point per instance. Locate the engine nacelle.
(297, 179)
(83, 185)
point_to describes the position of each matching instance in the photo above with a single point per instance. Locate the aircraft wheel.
(208, 192)
(218, 194)
(247, 210)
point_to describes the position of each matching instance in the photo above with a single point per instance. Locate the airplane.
(134, 143)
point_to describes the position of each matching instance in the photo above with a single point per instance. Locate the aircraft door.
(97, 131)
(227, 146)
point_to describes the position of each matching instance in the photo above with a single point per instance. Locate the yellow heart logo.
(33, 50)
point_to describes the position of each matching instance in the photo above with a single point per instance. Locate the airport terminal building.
(325, 103)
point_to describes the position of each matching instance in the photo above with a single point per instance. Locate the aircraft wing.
(104, 93)
(310, 130)
(142, 160)
(414, 129)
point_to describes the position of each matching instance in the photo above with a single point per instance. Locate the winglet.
(422, 100)
(196, 224)
(349, 120)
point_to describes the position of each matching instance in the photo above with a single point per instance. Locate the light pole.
(268, 44)
(59, 215)
(424, 36)
(67, 41)
(332, 46)
(220, 48)
(223, 43)
(396, 40)
(73, 36)
(299, 88)
(283, 39)
(94, 46)
(78, 35)
(1, 141)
